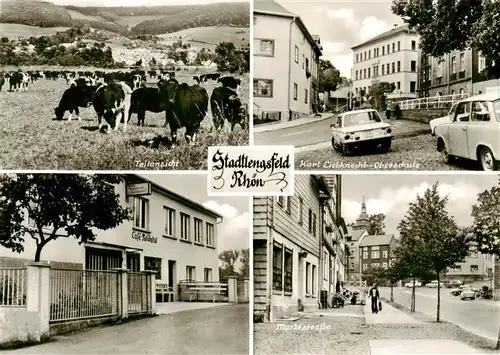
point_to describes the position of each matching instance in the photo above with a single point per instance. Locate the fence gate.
(139, 294)
(80, 294)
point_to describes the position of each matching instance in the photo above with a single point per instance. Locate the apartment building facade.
(287, 244)
(457, 72)
(377, 251)
(390, 57)
(286, 63)
(477, 266)
(169, 233)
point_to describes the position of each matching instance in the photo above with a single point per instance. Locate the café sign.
(144, 237)
(139, 189)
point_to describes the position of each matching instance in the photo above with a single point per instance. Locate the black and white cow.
(112, 102)
(73, 98)
(2, 79)
(230, 82)
(19, 81)
(226, 105)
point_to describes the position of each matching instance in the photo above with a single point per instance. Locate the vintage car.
(438, 121)
(467, 293)
(410, 284)
(359, 129)
(473, 133)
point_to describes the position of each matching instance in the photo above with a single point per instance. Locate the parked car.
(359, 129)
(467, 293)
(433, 284)
(457, 291)
(473, 133)
(454, 283)
(410, 284)
(438, 121)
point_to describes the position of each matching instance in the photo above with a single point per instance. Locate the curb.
(447, 321)
(289, 124)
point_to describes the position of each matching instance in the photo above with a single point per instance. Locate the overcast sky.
(138, 2)
(343, 24)
(391, 194)
(234, 230)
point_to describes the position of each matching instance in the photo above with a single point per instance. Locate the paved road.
(480, 316)
(219, 330)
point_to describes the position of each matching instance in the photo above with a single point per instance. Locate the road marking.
(297, 133)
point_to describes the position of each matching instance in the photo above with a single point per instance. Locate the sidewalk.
(266, 127)
(388, 315)
(175, 307)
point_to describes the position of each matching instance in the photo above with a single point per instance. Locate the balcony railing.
(432, 102)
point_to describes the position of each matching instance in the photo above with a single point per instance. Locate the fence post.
(123, 292)
(246, 290)
(232, 291)
(38, 295)
(152, 292)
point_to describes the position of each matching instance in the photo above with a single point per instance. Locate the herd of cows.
(115, 96)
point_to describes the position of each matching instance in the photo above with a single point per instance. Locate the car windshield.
(496, 109)
(360, 118)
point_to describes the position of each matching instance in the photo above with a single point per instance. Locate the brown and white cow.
(112, 102)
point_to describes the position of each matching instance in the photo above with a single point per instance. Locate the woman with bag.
(375, 297)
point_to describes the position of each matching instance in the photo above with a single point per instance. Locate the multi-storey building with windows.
(476, 266)
(168, 233)
(288, 246)
(377, 251)
(457, 72)
(390, 57)
(286, 62)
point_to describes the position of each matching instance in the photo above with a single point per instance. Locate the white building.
(169, 233)
(389, 57)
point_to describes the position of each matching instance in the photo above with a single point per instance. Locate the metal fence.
(13, 287)
(139, 295)
(203, 291)
(445, 101)
(78, 294)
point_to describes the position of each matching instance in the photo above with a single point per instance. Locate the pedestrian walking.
(397, 112)
(375, 296)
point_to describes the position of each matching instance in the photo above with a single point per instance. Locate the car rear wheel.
(488, 162)
(445, 155)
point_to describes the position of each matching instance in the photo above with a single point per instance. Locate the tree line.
(229, 258)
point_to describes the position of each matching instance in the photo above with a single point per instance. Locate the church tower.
(363, 221)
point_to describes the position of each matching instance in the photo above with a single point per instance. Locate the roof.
(175, 196)
(357, 233)
(491, 96)
(271, 7)
(372, 240)
(386, 34)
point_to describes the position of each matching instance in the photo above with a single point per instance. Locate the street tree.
(377, 224)
(228, 259)
(329, 76)
(374, 275)
(47, 207)
(486, 227)
(245, 263)
(378, 93)
(432, 236)
(394, 273)
(445, 26)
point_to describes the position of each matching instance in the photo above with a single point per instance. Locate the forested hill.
(163, 19)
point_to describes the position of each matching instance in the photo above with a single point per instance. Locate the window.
(413, 86)
(141, 213)
(288, 204)
(356, 91)
(375, 264)
(310, 226)
(262, 88)
(473, 254)
(474, 268)
(413, 66)
(300, 211)
(369, 73)
(375, 254)
(393, 67)
(399, 46)
(153, 264)
(413, 45)
(185, 230)
(296, 54)
(357, 58)
(383, 69)
(365, 266)
(385, 254)
(399, 66)
(388, 49)
(281, 201)
(288, 270)
(462, 112)
(393, 47)
(453, 65)
(370, 54)
(456, 268)
(364, 56)
(207, 275)
(313, 291)
(384, 265)
(308, 278)
(356, 75)
(277, 267)
(325, 265)
(303, 61)
(191, 273)
(351, 268)
(481, 64)
(365, 255)
(169, 221)
(398, 86)
(314, 225)
(307, 64)
(480, 113)
(295, 91)
(210, 234)
(462, 61)
(263, 47)
(198, 230)
(306, 95)
(364, 73)
(388, 68)
(383, 50)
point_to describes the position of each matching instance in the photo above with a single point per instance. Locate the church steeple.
(363, 205)
(363, 221)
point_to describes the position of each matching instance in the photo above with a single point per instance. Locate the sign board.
(140, 189)
(144, 237)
